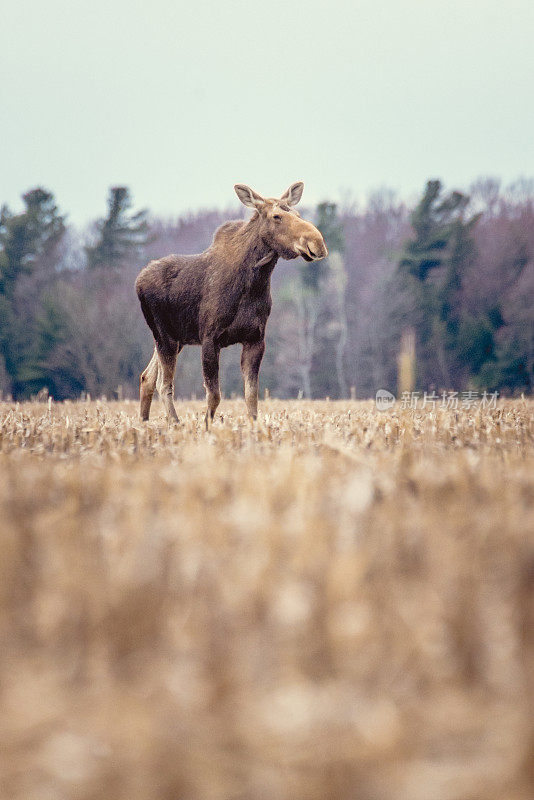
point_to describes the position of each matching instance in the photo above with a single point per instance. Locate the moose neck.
(256, 254)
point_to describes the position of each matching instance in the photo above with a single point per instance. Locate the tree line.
(454, 271)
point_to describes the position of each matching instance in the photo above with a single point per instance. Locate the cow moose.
(221, 296)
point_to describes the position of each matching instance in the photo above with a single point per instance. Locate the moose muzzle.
(312, 248)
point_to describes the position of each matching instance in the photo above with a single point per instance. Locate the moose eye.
(277, 217)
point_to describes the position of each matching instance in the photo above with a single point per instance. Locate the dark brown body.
(218, 298)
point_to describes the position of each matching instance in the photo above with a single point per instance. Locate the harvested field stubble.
(337, 603)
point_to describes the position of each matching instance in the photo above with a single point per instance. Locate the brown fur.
(221, 297)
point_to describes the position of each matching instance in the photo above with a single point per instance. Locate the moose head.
(281, 226)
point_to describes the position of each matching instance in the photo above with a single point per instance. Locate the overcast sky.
(180, 100)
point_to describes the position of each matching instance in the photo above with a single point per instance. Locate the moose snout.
(318, 248)
(312, 248)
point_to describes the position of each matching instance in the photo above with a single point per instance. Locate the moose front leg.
(210, 369)
(250, 367)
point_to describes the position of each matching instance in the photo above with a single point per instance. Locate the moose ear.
(293, 194)
(248, 197)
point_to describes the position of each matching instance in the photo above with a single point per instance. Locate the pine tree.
(120, 234)
(432, 265)
(27, 241)
(335, 277)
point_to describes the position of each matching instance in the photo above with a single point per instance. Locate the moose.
(222, 296)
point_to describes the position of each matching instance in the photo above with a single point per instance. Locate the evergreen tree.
(27, 241)
(432, 265)
(26, 237)
(120, 233)
(335, 326)
(331, 227)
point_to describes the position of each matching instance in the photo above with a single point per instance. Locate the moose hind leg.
(167, 353)
(147, 384)
(210, 369)
(251, 357)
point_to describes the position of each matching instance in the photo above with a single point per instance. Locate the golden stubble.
(331, 603)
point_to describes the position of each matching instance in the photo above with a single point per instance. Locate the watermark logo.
(430, 401)
(384, 400)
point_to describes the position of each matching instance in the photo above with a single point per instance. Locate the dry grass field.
(335, 604)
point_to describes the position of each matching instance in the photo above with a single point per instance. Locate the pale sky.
(180, 100)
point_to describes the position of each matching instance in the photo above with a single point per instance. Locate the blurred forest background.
(456, 269)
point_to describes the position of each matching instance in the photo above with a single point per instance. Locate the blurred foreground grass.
(337, 603)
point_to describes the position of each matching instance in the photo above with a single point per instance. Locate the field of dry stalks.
(335, 604)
